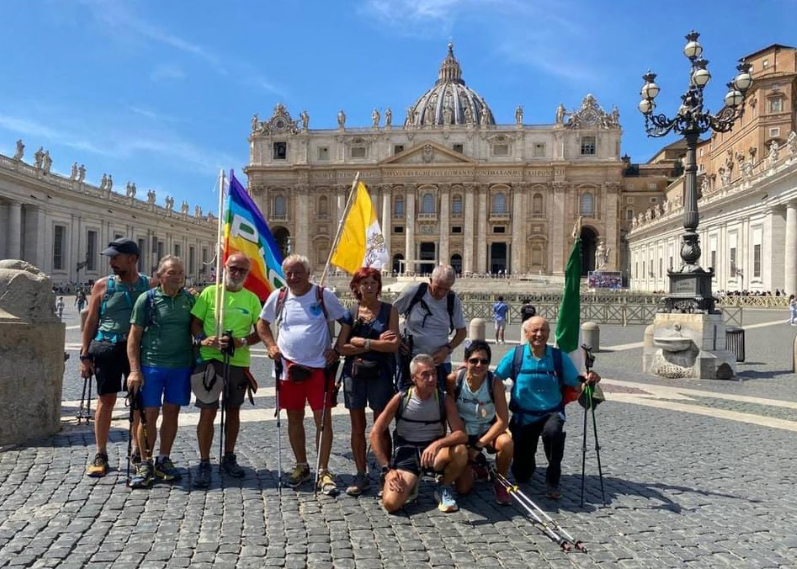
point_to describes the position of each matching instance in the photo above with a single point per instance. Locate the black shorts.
(375, 393)
(236, 387)
(110, 364)
(408, 457)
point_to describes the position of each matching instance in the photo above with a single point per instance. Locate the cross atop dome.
(450, 71)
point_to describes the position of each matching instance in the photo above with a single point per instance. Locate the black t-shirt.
(527, 311)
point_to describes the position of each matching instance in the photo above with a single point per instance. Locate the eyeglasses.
(475, 361)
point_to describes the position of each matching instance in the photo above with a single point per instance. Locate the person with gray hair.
(421, 444)
(301, 313)
(432, 313)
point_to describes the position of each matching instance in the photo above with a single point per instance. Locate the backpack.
(406, 394)
(151, 312)
(110, 290)
(418, 297)
(461, 380)
(283, 294)
(569, 394)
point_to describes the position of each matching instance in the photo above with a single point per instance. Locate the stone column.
(15, 230)
(790, 248)
(3, 234)
(443, 255)
(612, 225)
(387, 213)
(558, 227)
(469, 231)
(518, 209)
(409, 229)
(302, 224)
(35, 238)
(481, 239)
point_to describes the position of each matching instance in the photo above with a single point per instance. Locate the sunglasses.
(475, 361)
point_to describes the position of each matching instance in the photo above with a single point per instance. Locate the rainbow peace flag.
(246, 231)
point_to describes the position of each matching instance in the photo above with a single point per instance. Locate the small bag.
(298, 373)
(362, 369)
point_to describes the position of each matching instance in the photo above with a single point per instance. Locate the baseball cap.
(122, 246)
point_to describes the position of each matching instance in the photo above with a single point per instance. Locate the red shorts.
(293, 396)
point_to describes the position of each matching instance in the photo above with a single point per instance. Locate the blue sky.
(162, 93)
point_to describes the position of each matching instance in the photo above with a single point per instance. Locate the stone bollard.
(591, 335)
(648, 349)
(32, 352)
(477, 329)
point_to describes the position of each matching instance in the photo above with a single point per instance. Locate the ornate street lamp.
(690, 285)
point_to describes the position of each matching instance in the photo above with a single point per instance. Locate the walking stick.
(277, 413)
(320, 443)
(130, 434)
(225, 376)
(589, 361)
(597, 446)
(81, 412)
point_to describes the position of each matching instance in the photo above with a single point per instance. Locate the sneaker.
(202, 479)
(552, 491)
(326, 484)
(445, 499)
(143, 477)
(361, 484)
(165, 470)
(230, 466)
(99, 467)
(501, 495)
(135, 458)
(301, 472)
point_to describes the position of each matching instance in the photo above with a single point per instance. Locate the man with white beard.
(241, 311)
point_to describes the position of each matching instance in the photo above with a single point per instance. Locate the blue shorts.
(167, 385)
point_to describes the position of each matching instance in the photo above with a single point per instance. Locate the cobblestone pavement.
(683, 489)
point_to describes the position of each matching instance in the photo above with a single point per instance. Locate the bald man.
(536, 402)
(241, 310)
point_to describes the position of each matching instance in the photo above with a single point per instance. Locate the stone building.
(61, 224)
(747, 182)
(449, 183)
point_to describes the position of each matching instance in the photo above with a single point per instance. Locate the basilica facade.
(450, 185)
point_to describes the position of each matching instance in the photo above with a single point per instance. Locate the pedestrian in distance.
(59, 307)
(540, 373)
(527, 311)
(480, 398)
(420, 443)
(500, 310)
(792, 310)
(300, 314)
(368, 339)
(103, 351)
(432, 313)
(241, 311)
(80, 301)
(159, 348)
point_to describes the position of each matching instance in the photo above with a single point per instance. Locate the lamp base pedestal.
(690, 292)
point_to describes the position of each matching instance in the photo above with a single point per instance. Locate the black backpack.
(418, 297)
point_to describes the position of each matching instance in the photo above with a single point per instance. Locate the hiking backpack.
(418, 298)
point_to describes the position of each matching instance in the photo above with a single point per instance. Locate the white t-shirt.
(303, 333)
(430, 330)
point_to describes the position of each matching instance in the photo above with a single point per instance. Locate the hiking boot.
(445, 499)
(326, 484)
(501, 495)
(135, 458)
(99, 467)
(301, 472)
(143, 477)
(229, 463)
(361, 484)
(166, 471)
(552, 491)
(202, 479)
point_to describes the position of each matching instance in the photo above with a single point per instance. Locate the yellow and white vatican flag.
(361, 243)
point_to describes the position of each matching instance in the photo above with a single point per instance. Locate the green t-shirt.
(167, 343)
(241, 311)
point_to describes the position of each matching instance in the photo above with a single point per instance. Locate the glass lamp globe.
(650, 90)
(646, 106)
(693, 49)
(743, 81)
(701, 77)
(734, 98)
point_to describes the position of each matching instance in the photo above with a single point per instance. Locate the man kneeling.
(419, 440)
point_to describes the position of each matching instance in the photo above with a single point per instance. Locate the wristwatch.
(84, 357)
(244, 342)
(198, 339)
(385, 469)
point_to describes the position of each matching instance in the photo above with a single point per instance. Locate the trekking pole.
(597, 446)
(320, 443)
(81, 412)
(584, 454)
(228, 351)
(277, 413)
(589, 361)
(88, 406)
(130, 436)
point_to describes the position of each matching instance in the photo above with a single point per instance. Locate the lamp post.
(690, 285)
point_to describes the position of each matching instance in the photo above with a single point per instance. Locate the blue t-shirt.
(499, 310)
(537, 388)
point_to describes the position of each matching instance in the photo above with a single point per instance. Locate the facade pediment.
(427, 152)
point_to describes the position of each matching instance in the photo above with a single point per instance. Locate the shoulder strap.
(459, 382)
(405, 393)
(281, 296)
(319, 294)
(110, 287)
(450, 305)
(150, 311)
(517, 361)
(416, 298)
(491, 385)
(441, 402)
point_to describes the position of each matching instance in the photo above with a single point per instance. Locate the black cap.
(122, 246)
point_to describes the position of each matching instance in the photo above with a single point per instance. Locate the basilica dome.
(449, 101)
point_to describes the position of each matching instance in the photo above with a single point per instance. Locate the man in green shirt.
(241, 311)
(160, 352)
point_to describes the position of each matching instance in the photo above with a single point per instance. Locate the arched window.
(499, 203)
(427, 203)
(536, 205)
(280, 207)
(323, 207)
(587, 204)
(456, 205)
(398, 207)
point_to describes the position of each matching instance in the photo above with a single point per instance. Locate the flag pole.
(219, 305)
(340, 228)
